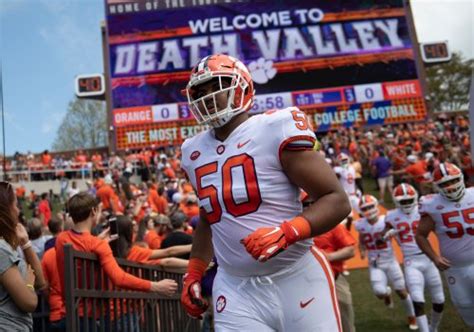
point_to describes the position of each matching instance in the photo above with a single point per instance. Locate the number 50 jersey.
(242, 187)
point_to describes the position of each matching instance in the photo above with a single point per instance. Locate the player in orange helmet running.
(383, 265)
(402, 223)
(450, 214)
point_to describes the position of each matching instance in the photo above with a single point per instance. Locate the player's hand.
(268, 242)
(442, 263)
(191, 297)
(265, 243)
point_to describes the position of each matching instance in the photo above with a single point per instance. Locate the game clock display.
(435, 52)
(91, 85)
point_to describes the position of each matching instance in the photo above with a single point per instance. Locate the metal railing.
(93, 303)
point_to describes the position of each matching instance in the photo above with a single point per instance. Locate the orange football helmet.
(369, 207)
(230, 77)
(405, 197)
(448, 180)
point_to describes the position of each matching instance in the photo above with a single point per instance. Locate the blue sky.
(44, 44)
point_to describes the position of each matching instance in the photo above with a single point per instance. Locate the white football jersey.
(454, 225)
(242, 187)
(347, 178)
(371, 236)
(405, 225)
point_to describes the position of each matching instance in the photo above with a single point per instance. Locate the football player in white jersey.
(402, 223)
(346, 174)
(248, 172)
(383, 265)
(450, 214)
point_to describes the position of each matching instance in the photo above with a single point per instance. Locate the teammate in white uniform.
(383, 265)
(402, 222)
(346, 174)
(450, 214)
(247, 172)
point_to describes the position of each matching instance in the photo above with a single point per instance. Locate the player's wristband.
(196, 268)
(296, 229)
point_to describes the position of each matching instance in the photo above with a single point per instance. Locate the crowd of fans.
(404, 152)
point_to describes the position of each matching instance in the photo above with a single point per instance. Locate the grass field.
(371, 315)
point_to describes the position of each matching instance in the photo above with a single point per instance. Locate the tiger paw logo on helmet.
(262, 70)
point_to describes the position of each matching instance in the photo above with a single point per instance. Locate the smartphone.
(113, 225)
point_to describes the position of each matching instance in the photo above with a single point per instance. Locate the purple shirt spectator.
(382, 167)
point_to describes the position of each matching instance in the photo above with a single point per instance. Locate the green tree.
(448, 84)
(83, 126)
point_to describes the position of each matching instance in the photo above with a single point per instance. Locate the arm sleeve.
(293, 130)
(139, 254)
(119, 277)
(44, 267)
(8, 257)
(60, 262)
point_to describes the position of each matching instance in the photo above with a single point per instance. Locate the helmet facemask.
(370, 211)
(406, 205)
(451, 187)
(225, 101)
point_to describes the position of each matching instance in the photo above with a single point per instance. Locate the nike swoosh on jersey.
(303, 305)
(242, 144)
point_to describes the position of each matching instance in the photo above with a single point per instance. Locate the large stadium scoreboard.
(345, 63)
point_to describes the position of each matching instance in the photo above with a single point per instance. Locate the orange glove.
(191, 296)
(267, 242)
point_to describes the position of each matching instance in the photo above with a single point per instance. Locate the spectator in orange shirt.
(106, 194)
(190, 206)
(418, 171)
(46, 159)
(44, 209)
(85, 212)
(123, 247)
(338, 245)
(97, 160)
(57, 307)
(169, 173)
(157, 201)
(81, 158)
(20, 193)
(152, 230)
